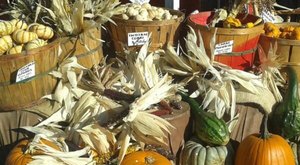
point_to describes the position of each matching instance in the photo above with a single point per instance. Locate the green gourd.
(208, 127)
(285, 118)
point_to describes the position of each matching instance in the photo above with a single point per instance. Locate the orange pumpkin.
(264, 149)
(21, 155)
(145, 157)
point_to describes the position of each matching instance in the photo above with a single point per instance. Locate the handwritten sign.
(224, 47)
(136, 39)
(26, 72)
(267, 16)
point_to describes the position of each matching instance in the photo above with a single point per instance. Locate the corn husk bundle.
(91, 113)
(216, 83)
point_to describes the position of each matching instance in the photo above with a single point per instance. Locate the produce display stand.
(98, 105)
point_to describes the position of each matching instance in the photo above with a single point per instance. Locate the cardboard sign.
(136, 39)
(26, 72)
(140, 1)
(267, 16)
(224, 47)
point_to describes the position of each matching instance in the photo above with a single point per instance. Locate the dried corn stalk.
(216, 83)
(149, 87)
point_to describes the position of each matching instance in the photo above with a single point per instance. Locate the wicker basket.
(287, 49)
(162, 32)
(18, 95)
(244, 39)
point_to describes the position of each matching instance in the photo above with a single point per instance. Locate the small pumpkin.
(145, 157)
(195, 153)
(296, 150)
(21, 154)
(264, 149)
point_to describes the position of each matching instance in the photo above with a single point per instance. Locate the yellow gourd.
(249, 25)
(271, 30)
(231, 22)
(6, 28)
(21, 36)
(19, 24)
(296, 34)
(5, 44)
(287, 29)
(44, 32)
(285, 35)
(15, 50)
(35, 44)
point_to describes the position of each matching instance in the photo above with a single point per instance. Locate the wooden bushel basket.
(288, 50)
(244, 39)
(162, 32)
(18, 95)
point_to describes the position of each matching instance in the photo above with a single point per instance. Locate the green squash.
(195, 153)
(285, 118)
(208, 127)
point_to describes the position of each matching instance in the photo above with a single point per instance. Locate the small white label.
(267, 16)
(136, 39)
(224, 47)
(26, 72)
(140, 1)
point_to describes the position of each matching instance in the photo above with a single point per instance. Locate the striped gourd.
(20, 36)
(19, 24)
(6, 28)
(208, 127)
(35, 44)
(195, 152)
(5, 44)
(44, 32)
(15, 50)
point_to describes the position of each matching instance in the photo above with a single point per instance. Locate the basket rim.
(227, 31)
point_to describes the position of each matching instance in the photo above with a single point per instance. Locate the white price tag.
(140, 1)
(26, 72)
(139, 38)
(267, 16)
(224, 47)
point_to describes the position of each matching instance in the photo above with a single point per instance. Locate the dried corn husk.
(218, 91)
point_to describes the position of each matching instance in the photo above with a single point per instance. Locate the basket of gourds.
(37, 36)
(283, 40)
(141, 22)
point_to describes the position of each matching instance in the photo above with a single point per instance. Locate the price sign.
(136, 39)
(140, 1)
(26, 72)
(267, 16)
(224, 47)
